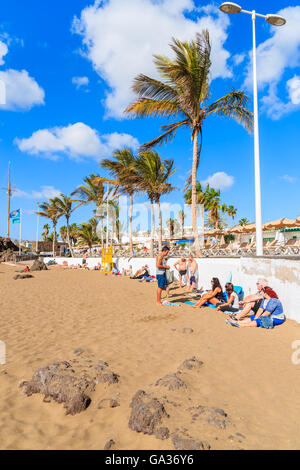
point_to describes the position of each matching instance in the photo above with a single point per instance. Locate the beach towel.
(170, 304)
(190, 303)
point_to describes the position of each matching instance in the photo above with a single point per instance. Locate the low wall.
(283, 274)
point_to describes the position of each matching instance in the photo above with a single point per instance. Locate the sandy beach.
(248, 372)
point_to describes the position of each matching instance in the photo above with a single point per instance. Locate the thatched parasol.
(280, 223)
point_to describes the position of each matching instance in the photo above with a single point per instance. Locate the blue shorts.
(161, 281)
(267, 322)
(192, 280)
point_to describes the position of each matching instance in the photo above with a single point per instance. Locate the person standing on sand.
(182, 269)
(193, 269)
(161, 266)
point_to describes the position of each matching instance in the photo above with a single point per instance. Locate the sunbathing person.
(144, 273)
(232, 302)
(182, 269)
(252, 302)
(269, 314)
(215, 296)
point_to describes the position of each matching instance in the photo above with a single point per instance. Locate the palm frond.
(234, 105)
(167, 136)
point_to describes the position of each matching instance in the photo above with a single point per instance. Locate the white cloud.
(238, 58)
(275, 57)
(219, 180)
(120, 38)
(80, 81)
(3, 51)
(293, 86)
(289, 179)
(22, 91)
(76, 141)
(46, 192)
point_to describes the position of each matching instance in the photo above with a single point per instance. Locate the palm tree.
(181, 217)
(92, 192)
(64, 205)
(73, 233)
(202, 199)
(232, 211)
(173, 226)
(214, 207)
(52, 212)
(86, 235)
(122, 168)
(184, 90)
(153, 175)
(63, 233)
(244, 222)
(45, 232)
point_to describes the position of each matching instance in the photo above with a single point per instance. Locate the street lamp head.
(229, 7)
(276, 20)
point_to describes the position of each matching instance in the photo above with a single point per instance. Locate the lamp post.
(275, 20)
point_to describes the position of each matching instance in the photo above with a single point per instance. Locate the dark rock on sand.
(78, 351)
(162, 433)
(104, 375)
(214, 416)
(187, 330)
(146, 413)
(181, 443)
(108, 403)
(109, 444)
(192, 363)
(60, 382)
(171, 381)
(38, 265)
(23, 276)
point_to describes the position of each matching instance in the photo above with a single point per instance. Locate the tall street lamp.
(275, 20)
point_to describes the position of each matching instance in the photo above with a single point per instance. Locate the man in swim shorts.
(193, 269)
(161, 267)
(182, 269)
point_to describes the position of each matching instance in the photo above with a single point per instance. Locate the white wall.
(283, 274)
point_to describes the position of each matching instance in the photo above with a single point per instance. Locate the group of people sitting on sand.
(265, 306)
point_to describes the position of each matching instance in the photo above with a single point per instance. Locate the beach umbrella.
(298, 222)
(280, 223)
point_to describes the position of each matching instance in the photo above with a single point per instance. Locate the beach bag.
(240, 292)
(169, 276)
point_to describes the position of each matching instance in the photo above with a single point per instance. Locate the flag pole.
(37, 229)
(20, 233)
(9, 196)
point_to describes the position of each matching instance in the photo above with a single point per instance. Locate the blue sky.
(68, 67)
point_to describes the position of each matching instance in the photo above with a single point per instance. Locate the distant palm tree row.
(183, 91)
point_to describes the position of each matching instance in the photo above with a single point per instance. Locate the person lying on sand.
(214, 296)
(269, 314)
(232, 303)
(181, 267)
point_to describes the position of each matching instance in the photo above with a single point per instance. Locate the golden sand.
(246, 372)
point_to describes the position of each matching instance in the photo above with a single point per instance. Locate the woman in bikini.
(214, 296)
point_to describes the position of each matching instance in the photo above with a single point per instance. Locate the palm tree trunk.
(159, 227)
(152, 230)
(102, 230)
(68, 239)
(130, 224)
(194, 193)
(54, 240)
(202, 224)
